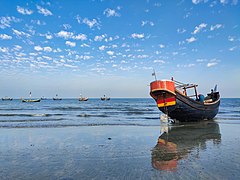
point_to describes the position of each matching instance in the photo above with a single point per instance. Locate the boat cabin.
(190, 90)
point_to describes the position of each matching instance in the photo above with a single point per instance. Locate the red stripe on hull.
(162, 100)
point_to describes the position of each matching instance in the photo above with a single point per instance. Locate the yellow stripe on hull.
(167, 104)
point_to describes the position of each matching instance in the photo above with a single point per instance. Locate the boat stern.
(163, 91)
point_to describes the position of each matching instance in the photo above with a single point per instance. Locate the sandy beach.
(118, 152)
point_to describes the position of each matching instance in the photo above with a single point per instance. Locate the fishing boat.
(173, 99)
(6, 98)
(57, 98)
(82, 98)
(105, 98)
(30, 99)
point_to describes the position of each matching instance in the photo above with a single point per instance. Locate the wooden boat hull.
(181, 107)
(105, 99)
(57, 99)
(7, 99)
(31, 100)
(187, 109)
(83, 99)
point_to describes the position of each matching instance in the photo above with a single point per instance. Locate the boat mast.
(154, 74)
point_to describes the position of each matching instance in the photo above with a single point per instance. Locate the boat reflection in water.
(179, 141)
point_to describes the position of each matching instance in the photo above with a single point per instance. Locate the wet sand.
(121, 152)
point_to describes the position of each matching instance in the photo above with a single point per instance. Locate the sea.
(122, 138)
(94, 112)
(71, 112)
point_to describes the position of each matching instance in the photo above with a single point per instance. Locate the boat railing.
(182, 87)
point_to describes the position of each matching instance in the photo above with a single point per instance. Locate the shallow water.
(71, 112)
(116, 139)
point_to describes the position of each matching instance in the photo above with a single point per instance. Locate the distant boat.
(43, 98)
(82, 98)
(105, 98)
(172, 99)
(30, 99)
(57, 98)
(6, 98)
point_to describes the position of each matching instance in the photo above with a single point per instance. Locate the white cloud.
(5, 36)
(70, 35)
(17, 48)
(143, 56)
(67, 26)
(199, 28)
(217, 26)
(48, 36)
(223, 1)
(110, 12)
(3, 49)
(110, 53)
(78, 18)
(69, 65)
(137, 36)
(47, 57)
(181, 31)
(159, 61)
(161, 45)
(114, 46)
(101, 48)
(57, 50)
(38, 22)
(38, 48)
(99, 70)
(211, 64)
(90, 23)
(6, 21)
(191, 39)
(24, 11)
(232, 48)
(44, 11)
(213, 3)
(33, 54)
(185, 65)
(196, 1)
(86, 57)
(71, 44)
(231, 38)
(99, 38)
(147, 23)
(81, 37)
(84, 45)
(20, 33)
(65, 34)
(47, 49)
(200, 60)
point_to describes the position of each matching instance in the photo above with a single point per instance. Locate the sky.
(97, 47)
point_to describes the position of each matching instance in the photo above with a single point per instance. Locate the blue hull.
(187, 109)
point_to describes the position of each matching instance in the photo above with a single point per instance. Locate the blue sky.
(110, 47)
